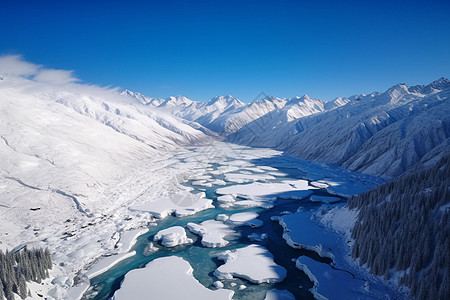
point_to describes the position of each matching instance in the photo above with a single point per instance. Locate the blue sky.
(201, 49)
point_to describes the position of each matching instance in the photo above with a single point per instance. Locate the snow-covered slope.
(206, 113)
(381, 134)
(259, 132)
(143, 99)
(63, 144)
(231, 121)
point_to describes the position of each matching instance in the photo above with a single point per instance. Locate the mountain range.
(383, 134)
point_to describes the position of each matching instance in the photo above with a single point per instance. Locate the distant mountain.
(382, 134)
(259, 132)
(206, 113)
(142, 98)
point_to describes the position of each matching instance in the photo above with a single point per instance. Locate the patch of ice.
(76, 292)
(345, 188)
(263, 194)
(182, 204)
(295, 195)
(166, 278)
(275, 294)
(255, 169)
(319, 184)
(245, 218)
(278, 174)
(172, 237)
(150, 249)
(243, 178)
(202, 183)
(212, 232)
(222, 217)
(253, 263)
(258, 237)
(268, 168)
(218, 182)
(226, 199)
(128, 239)
(227, 169)
(201, 177)
(106, 263)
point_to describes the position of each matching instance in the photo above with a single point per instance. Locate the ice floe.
(212, 232)
(245, 218)
(222, 217)
(279, 295)
(258, 237)
(150, 249)
(263, 194)
(166, 278)
(243, 178)
(181, 204)
(202, 183)
(253, 263)
(172, 237)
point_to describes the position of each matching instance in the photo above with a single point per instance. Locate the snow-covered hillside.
(63, 144)
(380, 134)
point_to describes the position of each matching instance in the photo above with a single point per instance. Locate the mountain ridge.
(343, 131)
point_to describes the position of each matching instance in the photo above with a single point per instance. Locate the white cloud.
(38, 79)
(57, 77)
(15, 65)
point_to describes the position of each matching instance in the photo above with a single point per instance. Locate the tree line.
(403, 225)
(16, 268)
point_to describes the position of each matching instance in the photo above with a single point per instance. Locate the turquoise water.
(203, 259)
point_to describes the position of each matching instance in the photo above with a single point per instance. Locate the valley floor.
(218, 204)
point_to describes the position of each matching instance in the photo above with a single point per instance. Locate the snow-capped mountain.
(259, 131)
(338, 102)
(142, 98)
(232, 120)
(206, 113)
(381, 134)
(176, 101)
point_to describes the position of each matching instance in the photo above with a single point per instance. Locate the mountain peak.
(177, 100)
(398, 90)
(440, 84)
(225, 100)
(128, 92)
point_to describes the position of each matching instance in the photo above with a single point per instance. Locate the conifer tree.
(404, 225)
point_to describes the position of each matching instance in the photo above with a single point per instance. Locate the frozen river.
(291, 199)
